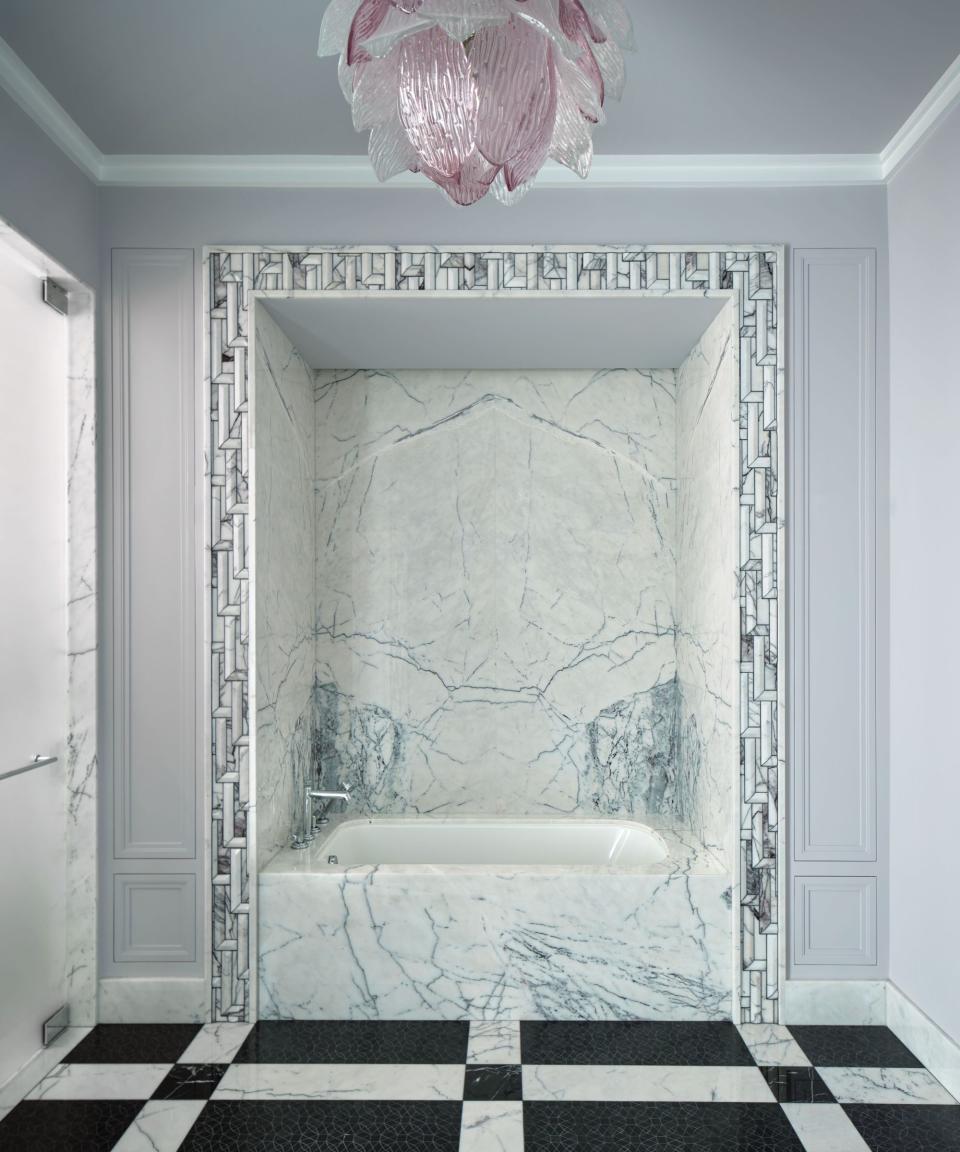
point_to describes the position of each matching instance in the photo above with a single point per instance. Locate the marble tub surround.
(284, 524)
(495, 942)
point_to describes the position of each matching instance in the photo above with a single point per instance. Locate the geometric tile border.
(753, 274)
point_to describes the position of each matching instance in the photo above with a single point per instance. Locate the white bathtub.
(476, 918)
(497, 842)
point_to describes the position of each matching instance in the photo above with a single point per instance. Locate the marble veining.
(82, 662)
(488, 943)
(472, 653)
(283, 446)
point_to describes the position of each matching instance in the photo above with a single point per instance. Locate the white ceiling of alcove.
(483, 332)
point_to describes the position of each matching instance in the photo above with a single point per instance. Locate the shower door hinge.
(55, 1024)
(55, 296)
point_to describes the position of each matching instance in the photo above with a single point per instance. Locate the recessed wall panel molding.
(154, 660)
(750, 275)
(154, 918)
(833, 566)
(835, 920)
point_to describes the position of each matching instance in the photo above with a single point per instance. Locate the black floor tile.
(133, 1044)
(907, 1127)
(493, 1082)
(66, 1125)
(326, 1126)
(631, 1042)
(797, 1086)
(190, 1082)
(356, 1042)
(853, 1046)
(617, 1127)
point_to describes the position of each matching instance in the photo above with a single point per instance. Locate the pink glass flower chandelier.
(478, 94)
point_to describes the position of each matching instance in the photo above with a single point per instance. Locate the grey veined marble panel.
(495, 591)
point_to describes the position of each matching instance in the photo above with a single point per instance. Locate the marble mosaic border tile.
(754, 276)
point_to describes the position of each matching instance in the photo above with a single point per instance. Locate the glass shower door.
(33, 660)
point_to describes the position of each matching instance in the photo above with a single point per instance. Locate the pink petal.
(437, 100)
(471, 183)
(514, 78)
(370, 15)
(574, 19)
(613, 17)
(576, 25)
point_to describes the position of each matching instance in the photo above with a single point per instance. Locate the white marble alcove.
(501, 589)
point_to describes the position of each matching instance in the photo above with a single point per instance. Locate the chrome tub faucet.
(312, 820)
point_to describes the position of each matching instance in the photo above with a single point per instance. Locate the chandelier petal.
(470, 184)
(390, 150)
(335, 26)
(375, 85)
(613, 17)
(438, 100)
(514, 77)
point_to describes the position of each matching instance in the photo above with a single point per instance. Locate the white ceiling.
(489, 332)
(710, 76)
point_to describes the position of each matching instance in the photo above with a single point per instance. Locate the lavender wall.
(163, 218)
(44, 195)
(924, 555)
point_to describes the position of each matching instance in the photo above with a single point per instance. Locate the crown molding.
(608, 171)
(47, 112)
(922, 121)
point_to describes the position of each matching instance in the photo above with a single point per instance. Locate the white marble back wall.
(706, 588)
(284, 524)
(495, 590)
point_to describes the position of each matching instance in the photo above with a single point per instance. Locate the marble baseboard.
(494, 944)
(835, 1002)
(925, 1040)
(145, 1000)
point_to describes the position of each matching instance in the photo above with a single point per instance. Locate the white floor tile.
(160, 1126)
(492, 1126)
(824, 1128)
(16, 1088)
(644, 1082)
(100, 1082)
(216, 1044)
(494, 1042)
(341, 1082)
(771, 1045)
(885, 1086)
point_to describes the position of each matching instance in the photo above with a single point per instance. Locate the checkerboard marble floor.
(424, 1086)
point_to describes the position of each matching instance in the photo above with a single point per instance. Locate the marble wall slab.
(284, 524)
(494, 944)
(82, 663)
(495, 591)
(707, 587)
